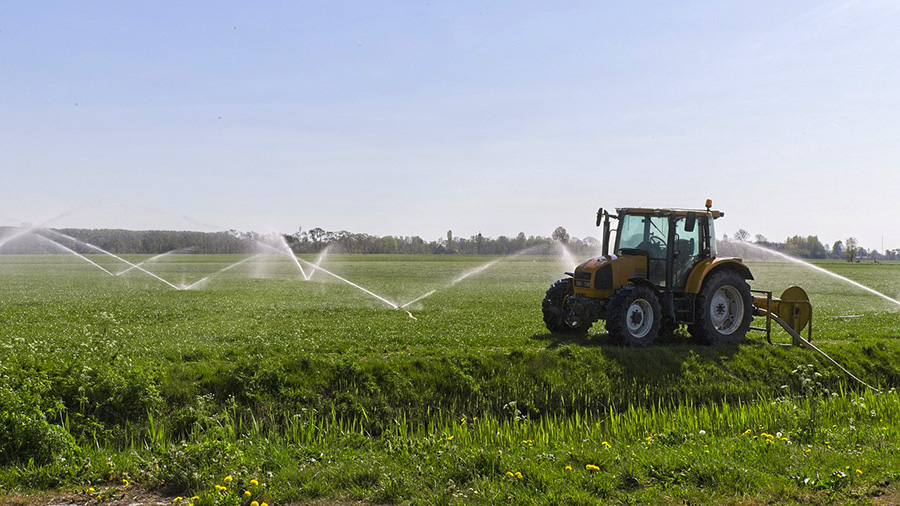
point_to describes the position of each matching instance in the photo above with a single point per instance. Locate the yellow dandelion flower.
(591, 467)
(449, 438)
(510, 474)
(177, 499)
(125, 482)
(808, 450)
(247, 493)
(606, 445)
(195, 497)
(858, 471)
(254, 483)
(91, 490)
(519, 475)
(228, 479)
(568, 468)
(254, 503)
(264, 504)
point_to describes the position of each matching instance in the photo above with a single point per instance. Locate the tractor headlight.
(580, 283)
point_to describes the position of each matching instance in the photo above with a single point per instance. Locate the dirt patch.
(887, 496)
(131, 497)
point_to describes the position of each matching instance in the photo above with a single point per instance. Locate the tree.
(761, 239)
(804, 247)
(742, 235)
(450, 241)
(316, 235)
(519, 242)
(850, 248)
(837, 250)
(560, 235)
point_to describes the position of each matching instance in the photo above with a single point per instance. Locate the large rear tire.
(724, 309)
(633, 316)
(555, 308)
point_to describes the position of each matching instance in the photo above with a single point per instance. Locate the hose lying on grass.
(798, 339)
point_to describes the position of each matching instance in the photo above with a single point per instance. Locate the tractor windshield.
(645, 233)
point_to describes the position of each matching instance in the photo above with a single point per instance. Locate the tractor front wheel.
(633, 316)
(556, 309)
(724, 309)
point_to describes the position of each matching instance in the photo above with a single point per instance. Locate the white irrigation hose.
(799, 339)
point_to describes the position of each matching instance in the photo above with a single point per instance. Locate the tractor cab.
(673, 241)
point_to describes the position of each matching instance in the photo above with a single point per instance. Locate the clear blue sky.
(412, 118)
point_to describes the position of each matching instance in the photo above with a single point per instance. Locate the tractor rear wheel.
(633, 316)
(724, 309)
(556, 309)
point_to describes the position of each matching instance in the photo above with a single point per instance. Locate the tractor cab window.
(687, 251)
(646, 234)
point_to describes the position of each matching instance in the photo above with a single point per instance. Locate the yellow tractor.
(662, 273)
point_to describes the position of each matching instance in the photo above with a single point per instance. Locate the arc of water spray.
(316, 266)
(25, 230)
(351, 283)
(101, 250)
(480, 268)
(151, 259)
(824, 271)
(287, 252)
(472, 272)
(79, 255)
(192, 285)
(567, 256)
(290, 253)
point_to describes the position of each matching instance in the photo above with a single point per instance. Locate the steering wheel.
(655, 246)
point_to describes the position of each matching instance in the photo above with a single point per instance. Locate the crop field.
(260, 385)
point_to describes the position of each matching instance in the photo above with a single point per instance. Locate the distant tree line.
(811, 247)
(316, 239)
(120, 241)
(156, 242)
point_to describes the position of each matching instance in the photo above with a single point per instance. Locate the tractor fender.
(706, 267)
(639, 281)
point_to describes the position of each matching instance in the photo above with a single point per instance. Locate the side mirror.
(690, 221)
(599, 216)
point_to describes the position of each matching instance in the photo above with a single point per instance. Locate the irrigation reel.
(792, 311)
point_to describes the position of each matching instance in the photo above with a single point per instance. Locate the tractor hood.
(600, 276)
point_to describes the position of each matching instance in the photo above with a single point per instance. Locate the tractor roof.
(669, 212)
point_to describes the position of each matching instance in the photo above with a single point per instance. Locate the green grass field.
(317, 389)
